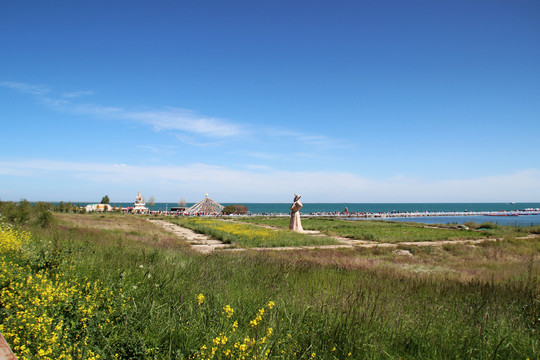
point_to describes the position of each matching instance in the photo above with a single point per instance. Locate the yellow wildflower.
(200, 299)
(229, 311)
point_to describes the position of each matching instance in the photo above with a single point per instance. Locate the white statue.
(295, 223)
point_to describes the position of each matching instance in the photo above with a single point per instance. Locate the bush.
(235, 209)
(16, 213)
(229, 209)
(471, 225)
(488, 225)
(535, 230)
(45, 219)
(24, 213)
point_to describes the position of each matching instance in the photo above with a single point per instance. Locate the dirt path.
(205, 244)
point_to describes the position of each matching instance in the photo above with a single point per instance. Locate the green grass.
(378, 230)
(245, 235)
(327, 309)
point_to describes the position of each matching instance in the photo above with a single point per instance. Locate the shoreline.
(374, 215)
(369, 215)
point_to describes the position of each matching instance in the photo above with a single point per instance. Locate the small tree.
(241, 209)
(229, 209)
(151, 201)
(105, 199)
(182, 202)
(234, 209)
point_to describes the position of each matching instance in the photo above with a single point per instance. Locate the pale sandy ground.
(205, 244)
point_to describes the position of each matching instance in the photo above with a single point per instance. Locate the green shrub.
(488, 225)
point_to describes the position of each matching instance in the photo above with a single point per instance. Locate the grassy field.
(394, 232)
(117, 286)
(243, 235)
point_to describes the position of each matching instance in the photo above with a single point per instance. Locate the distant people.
(295, 224)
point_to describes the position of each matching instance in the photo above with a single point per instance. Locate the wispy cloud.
(314, 140)
(186, 125)
(257, 167)
(169, 119)
(256, 184)
(185, 120)
(253, 154)
(201, 142)
(160, 150)
(37, 90)
(77, 94)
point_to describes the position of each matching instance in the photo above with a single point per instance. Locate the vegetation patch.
(379, 230)
(46, 312)
(162, 301)
(246, 235)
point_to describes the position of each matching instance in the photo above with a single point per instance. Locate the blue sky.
(253, 101)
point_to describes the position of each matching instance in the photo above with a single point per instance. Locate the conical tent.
(205, 206)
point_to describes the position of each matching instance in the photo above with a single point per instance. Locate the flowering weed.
(50, 316)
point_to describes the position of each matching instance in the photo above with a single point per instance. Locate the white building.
(98, 207)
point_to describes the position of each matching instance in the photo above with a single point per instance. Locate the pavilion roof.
(207, 206)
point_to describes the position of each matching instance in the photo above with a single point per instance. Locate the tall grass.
(325, 312)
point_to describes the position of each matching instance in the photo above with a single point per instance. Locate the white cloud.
(254, 154)
(185, 120)
(187, 126)
(318, 141)
(170, 119)
(158, 149)
(26, 88)
(257, 167)
(256, 184)
(76, 94)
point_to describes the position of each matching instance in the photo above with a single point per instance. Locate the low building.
(98, 207)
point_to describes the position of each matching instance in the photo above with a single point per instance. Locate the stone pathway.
(199, 242)
(204, 244)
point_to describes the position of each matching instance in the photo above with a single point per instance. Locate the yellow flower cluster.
(257, 319)
(247, 233)
(243, 230)
(250, 347)
(44, 315)
(229, 311)
(11, 239)
(200, 299)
